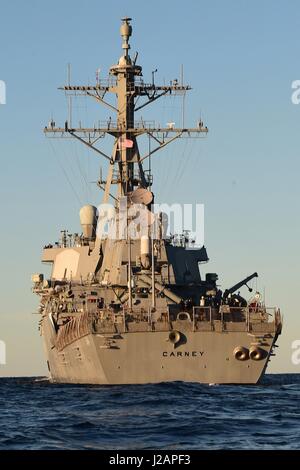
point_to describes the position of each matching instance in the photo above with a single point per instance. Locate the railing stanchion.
(193, 318)
(248, 319)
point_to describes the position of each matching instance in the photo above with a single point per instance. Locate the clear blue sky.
(240, 57)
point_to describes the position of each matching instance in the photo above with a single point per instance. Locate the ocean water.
(38, 415)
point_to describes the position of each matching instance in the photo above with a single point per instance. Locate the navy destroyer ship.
(126, 302)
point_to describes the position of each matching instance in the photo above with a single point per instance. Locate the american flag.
(125, 143)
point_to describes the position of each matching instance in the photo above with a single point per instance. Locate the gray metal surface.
(129, 310)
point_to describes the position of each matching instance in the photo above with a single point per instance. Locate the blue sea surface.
(38, 415)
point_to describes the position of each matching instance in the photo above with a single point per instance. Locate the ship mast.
(126, 153)
(125, 82)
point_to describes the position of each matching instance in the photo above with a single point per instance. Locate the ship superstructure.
(126, 302)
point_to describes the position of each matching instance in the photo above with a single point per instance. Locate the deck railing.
(226, 315)
(255, 321)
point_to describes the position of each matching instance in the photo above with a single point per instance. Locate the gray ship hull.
(141, 357)
(126, 301)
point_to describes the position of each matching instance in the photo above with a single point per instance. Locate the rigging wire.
(190, 156)
(64, 172)
(72, 154)
(66, 159)
(181, 163)
(164, 180)
(82, 173)
(87, 155)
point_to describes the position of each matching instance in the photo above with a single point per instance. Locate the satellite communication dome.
(142, 196)
(88, 220)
